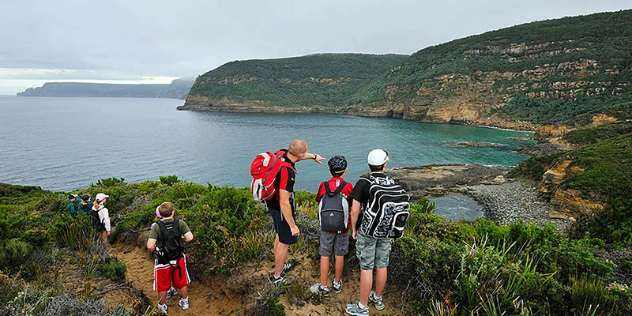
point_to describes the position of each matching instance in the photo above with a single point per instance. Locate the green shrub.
(594, 135)
(13, 255)
(37, 237)
(169, 180)
(272, 307)
(114, 270)
(53, 203)
(220, 219)
(612, 225)
(533, 168)
(110, 182)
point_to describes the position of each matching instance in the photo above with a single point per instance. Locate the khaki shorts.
(373, 252)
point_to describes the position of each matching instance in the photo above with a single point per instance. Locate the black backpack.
(86, 209)
(387, 210)
(171, 237)
(333, 209)
(98, 223)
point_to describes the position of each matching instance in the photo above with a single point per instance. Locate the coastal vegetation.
(600, 170)
(320, 79)
(561, 71)
(439, 267)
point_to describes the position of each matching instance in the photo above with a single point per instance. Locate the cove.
(69, 143)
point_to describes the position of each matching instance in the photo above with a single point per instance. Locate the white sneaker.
(162, 308)
(379, 303)
(337, 286)
(184, 304)
(319, 289)
(172, 292)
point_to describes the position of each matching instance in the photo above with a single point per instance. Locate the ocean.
(65, 144)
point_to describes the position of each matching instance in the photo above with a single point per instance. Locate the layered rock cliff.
(522, 77)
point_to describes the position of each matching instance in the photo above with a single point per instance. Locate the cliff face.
(570, 202)
(522, 77)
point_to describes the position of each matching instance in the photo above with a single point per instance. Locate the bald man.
(283, 209)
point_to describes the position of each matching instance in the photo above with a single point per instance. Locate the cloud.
(122, 39)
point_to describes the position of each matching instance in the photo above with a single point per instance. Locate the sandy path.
(204, 299)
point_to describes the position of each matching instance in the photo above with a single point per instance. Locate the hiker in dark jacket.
(72, 205)
(86, 205)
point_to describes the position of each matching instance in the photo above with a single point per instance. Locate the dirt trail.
(204, 299)
(215, 298)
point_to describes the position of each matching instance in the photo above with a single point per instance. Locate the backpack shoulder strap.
(176, 226)
(163, 229)
(327, 189)
(340, 187)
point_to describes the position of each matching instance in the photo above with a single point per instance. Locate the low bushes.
(461, 268)
(516, 269)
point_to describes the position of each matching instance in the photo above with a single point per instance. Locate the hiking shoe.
(379, 304)
(319, 289)
(172, 292)
(184, 303)
(354, 309)
(162, 308)
(288, 266)
(337, 286)
(277, 280)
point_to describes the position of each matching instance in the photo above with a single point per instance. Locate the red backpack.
(264, 170)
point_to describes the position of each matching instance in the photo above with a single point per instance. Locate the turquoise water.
(69, 143)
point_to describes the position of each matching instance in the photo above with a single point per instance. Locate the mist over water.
(69, 143)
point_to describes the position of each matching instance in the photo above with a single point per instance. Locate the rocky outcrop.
(439, 179)
(569, 202)
(541, 149)
(504, 200)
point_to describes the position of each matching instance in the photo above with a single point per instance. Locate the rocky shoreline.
(504, 200)
(397, 111)
(514, 201)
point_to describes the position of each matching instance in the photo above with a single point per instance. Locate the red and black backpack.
(264, 170)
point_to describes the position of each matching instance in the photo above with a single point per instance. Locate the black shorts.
(282, 228)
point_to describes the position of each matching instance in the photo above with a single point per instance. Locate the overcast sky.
(158, 40)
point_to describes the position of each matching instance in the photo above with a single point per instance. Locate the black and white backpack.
(387, 210)
(333, 209)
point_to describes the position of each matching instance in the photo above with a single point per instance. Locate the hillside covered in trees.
(560, 71)
(321, 79)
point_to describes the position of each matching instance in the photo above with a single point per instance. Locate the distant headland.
(177, 89)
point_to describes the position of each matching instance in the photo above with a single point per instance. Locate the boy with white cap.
(372, 252)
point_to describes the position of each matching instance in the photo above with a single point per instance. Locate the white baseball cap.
(101, 196)
(377, 157)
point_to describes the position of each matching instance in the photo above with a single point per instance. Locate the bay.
(65, 144)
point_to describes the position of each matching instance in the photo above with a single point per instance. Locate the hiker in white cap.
(101, 219)
(373, 253)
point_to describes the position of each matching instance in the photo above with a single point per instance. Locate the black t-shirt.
(284, 181)
(360, 191)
